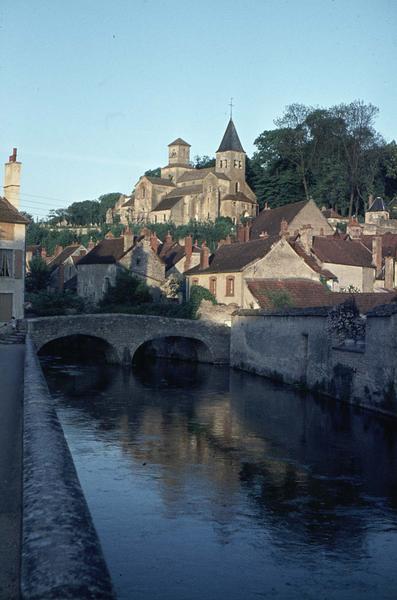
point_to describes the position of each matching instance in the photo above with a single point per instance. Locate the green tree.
(128, 291)
(203, 162)
(38, 277)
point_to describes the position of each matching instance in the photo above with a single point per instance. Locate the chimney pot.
(204, 257)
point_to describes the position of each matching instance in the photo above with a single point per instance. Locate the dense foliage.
(334, 155)
(128, 291)
(38, 277)
(85, 213)
(54, 303)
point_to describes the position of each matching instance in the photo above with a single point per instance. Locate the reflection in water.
(210, 483)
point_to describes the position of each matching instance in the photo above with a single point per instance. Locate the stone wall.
(294, 347)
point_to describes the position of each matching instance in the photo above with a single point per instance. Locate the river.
(206, 483)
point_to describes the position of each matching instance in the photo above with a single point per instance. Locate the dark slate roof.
(62, 256)
(9, 214)
(179, 142)
(160, 181)
(108, 251)
(171, 254)
(230, 140)
(238, 197)
(236, 256)
(196, 174)
(304, 293)
(167, 203)
(185, 191)
(270, 220)
(377, 205)
(342, 252)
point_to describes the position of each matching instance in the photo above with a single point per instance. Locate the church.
(183, 193)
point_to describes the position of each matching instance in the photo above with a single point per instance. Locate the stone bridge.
(123, 335)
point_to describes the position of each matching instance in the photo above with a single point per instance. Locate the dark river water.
(206, 483)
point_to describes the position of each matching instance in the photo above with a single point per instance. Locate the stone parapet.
(61, 553)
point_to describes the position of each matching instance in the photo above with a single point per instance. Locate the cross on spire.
(231, 107)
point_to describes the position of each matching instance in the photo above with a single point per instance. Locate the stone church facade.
(184, 193)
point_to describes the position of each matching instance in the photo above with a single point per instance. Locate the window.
(213, 285)
(164, 217)
(236, 163)
(240, 166)
(220, 164)
(230, 286)
(195, 281)
(6, 267)
(155, 218)
(237, 187)
(143, 192)
(225, 161)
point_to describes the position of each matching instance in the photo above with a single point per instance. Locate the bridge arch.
(180, 347)
(80, 346)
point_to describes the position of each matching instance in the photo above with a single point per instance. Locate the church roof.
(160, 181)
(201, 174)
(230, 140)
(238, 197)
(167, 203)
(185, 191)
(377, 205)
(179, 142)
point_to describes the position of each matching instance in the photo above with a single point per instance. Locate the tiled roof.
(179, 142)
(389, 243)
(342, 252)
(236, 256)
(238, 197)
(167, 203)
(185, 191)
(304, 293)
(270, 220)
(9, 214)
(377, 205)
(186, 166)
(230, 140)
(201, 174)
(62, 256)
(160, 181)
(108, 251)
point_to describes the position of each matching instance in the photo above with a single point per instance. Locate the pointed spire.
(230, 140)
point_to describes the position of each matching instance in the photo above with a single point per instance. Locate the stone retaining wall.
(293, 346)
(61, 553)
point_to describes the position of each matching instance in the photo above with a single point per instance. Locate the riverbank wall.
(293, 346)
(61, 552)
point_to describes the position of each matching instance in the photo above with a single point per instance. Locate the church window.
(220, 164)
(240, 166)
(213, 285)
(225, 164)
(236, 163)
(230, 286)
(237, 186)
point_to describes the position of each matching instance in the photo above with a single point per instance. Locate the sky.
(93, 91)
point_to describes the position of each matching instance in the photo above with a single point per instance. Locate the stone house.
(184, 193)
(293, 218)
(227, 272)
(349, 260)
(62, 266)
(377, 218)
(12, 245)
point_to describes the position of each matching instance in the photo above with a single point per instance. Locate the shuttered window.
(230, 286)
(18, 272)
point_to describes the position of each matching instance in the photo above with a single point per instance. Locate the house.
(183, 193)
(12, 245)
(349, 260)
(294, 217)
(227, 272)
(62, 266)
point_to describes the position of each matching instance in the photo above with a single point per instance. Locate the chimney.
(128, 239)
(12, 177)
(204, 257)
(266, 207)
(240, 233)
(90, 244)
(188, 252)
(377, 254)
(389, 272)
(228, 239)
(247, 232)
(154, 242)
(306, 237)
(284, 229)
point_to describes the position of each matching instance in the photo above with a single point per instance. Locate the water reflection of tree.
(306, 467)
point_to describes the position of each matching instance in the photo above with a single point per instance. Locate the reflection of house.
(295, 217)
(226, 273)
(12, 244)
(63, 265)
(183, 193)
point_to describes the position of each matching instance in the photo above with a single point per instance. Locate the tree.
(128, 291)
(153, 172)
(38, 277)
(203, 162)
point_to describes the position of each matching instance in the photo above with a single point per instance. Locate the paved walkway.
(11, 398)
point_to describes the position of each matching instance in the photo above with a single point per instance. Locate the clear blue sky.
(92, 91)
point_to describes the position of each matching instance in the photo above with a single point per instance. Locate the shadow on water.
(261, 459)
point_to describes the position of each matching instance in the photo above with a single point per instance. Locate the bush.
(279, 298)
(128, 291)
(47, 304)
(38, 277)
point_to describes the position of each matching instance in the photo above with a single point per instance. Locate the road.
(11, 402)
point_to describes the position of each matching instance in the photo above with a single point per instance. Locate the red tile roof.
(341, 252)
(304, 293)
(9, 214)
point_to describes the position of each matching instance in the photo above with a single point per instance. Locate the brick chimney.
(109, 236)
(12, 179)
(389, 272)
(377, 254)
(168, 241)
(284, 229)
(240, 233)
(204, 257)
(188, 252)
(154, 242)
(247, 232)
(128, 239)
